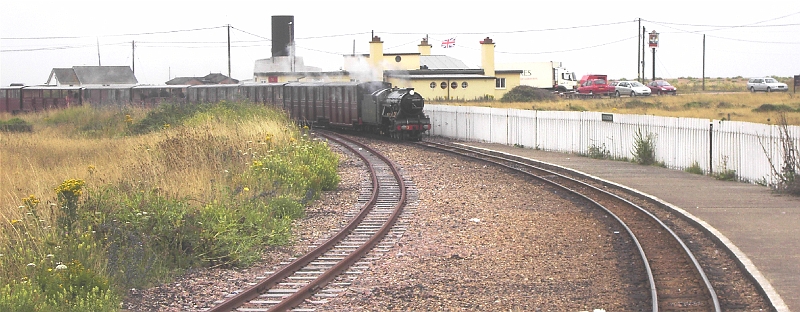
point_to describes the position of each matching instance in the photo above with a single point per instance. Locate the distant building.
(92, 76)
(210, 79)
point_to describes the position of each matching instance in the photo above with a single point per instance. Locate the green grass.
(138, 220)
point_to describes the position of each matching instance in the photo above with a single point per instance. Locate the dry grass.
(178, 161)
(729, 106)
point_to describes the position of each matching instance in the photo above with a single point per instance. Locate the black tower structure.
(282, 30)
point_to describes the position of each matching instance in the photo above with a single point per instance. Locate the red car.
(595, 85)
(660, 87)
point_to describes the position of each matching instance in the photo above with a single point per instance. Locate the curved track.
(301, 279)
(676, 280)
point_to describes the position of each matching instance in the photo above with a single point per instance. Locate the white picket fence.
(714, 145)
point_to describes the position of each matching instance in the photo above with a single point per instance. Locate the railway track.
(301, 283)
(676, 279)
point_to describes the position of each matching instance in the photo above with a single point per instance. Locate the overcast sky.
(189, 38)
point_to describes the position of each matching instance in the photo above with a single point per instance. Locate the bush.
(695, 168)
(644, 148)
(15, 125)
(528, 94)
(638, 104)
(774, 108)
(599, 152)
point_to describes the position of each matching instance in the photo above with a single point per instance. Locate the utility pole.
(133, 57)
(644, 33)
(98, 52)
(229, 51)
(704, 62)
(638, 53)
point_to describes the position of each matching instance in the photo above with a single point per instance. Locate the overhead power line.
(117, 35)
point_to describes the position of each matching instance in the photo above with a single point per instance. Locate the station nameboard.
(607, 117)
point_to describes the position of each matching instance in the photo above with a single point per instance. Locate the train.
(372, 106)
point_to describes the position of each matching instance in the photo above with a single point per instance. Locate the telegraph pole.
(704, 62)
(98, 52)
(133, 56)
(638, 53)
(644, 33)
(229, 51)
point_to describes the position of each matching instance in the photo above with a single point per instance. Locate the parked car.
(662, 87)
(595, 85)
(766, 84)
(632, 88)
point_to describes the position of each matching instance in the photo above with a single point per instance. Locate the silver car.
(632, 88)
(766, 84)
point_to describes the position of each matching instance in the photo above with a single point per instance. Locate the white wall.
(680, 142)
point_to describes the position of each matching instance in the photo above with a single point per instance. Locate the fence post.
(710, 147)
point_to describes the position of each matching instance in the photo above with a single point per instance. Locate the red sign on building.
(272, 79)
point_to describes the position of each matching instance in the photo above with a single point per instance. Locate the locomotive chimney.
(424, 47)
(376, 57)
(487, 57)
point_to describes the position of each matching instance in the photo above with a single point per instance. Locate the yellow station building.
(436, 77)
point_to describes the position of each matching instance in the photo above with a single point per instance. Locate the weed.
(211, 189)
(787, 174)
(693, 105)
(695, 168)
(599, 152)
(774, 108)
(528, 94)
(724, 173)
(644, 149)
(15, 125)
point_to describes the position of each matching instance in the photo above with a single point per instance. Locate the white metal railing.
(714, 145)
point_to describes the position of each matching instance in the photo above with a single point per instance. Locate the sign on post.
(653, 39)
(796, 82)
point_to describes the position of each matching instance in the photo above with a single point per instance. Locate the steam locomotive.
(374, 107)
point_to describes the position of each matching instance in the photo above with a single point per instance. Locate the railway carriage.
(152, 96)
(264, 93)
(10, 99)
(213, 93)
(39, 98)
(106, 95)
(363, 106)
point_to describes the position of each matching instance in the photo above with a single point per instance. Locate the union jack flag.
(449, 43)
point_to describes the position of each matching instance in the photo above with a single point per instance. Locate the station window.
(454, 85)
(500, 83)
(433, 85)
(464, 85)
(443, 85)
(397, 59)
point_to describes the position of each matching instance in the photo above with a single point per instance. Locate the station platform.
(760, 226)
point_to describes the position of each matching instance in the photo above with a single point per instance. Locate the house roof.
(441, 62)
(183, 80)
(216, 78)
(65, 76)
(103, 75)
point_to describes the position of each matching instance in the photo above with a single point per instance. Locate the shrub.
(528, 94)
(644, 149)
(15, 125)
(694, 168)
(774, 108)
(724, 173)
(599, 152)
(636, 103)
(693, 105)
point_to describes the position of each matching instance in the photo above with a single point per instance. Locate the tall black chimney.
(282, 30)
